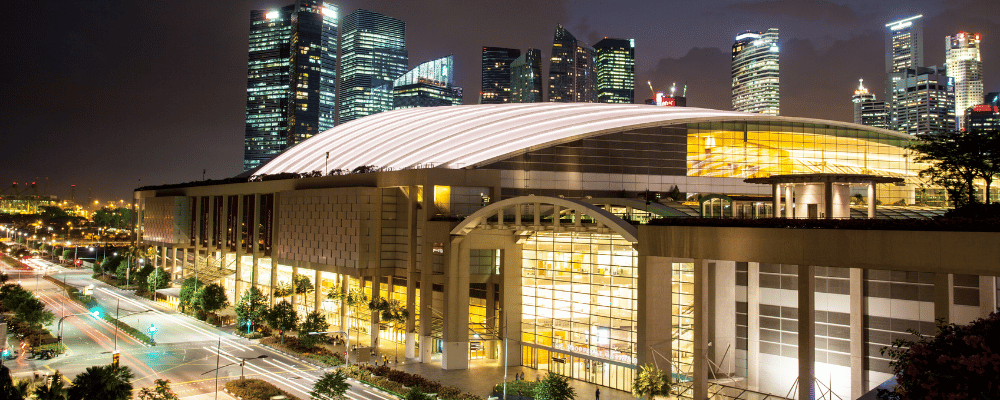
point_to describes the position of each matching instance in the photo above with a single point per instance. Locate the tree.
(955, 160)
(159, 391)
(159, 279)
(652, 381)
(961, 362)
(314, 322)
(251, 309)
(392, 313)
(67, 254)
(302, 284)
(189, 288)
(332, 385)
(282, 289)
(142, 276)
(355, 299)
(11, 388)
(51, 390)
(211, 298)
(282, 317)
(102, 382)
(554, 387)
(110, 264)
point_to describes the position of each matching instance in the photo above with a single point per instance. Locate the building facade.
(496, 77)
(861, 95)
(867, 110)
(982, 117)
(923, 101)
(614, 64)
(571, 71)
(430, 84)
(964, 65)
(526, 77)
(904, 48)
(540, 239)
(756, 83)
(373, 55)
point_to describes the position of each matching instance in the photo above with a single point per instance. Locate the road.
(186, 352)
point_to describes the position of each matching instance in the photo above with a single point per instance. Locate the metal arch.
(618, 225)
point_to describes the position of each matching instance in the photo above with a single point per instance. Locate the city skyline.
(176, 96)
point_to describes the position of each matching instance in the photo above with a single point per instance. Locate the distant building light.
(271, 15)
(747, 35)
(901, 26)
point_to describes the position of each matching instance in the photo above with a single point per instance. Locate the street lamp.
(95, 313)
(118, 318)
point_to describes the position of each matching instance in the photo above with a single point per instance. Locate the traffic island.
(254, 389)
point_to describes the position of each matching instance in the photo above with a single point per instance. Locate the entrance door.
(813, 211)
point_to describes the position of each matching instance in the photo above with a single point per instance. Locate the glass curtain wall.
(682, 302)
(579, 302)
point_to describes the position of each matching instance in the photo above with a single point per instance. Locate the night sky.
(110, 96)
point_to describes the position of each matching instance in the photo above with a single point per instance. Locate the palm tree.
(53, 390)
(554, 387)
(102, 382)
(652, 381)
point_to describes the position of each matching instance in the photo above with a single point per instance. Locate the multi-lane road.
(186, 351)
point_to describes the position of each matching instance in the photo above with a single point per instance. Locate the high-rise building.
(571, 72)
(526, 78)
(982, 117)
(965, 65)
(755, 72)
(904, 48)
(429, 84)
(291, 77)
(923, 100)
(496, 74)
(867, 110)
(614, 63)
(373, 54)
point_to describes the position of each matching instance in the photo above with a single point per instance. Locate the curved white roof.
(473, 135)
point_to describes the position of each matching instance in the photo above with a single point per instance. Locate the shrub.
(212, 319)
(255, 389)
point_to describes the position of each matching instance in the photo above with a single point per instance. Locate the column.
(411, 321)
(871, 200)
(491, 304)
(789, 201)
(238, 282)
(828, 200)
(318, 292)
(776, 202)
(411, 271)
(455, 354)
(858, 308)
(510, 303)
(753, 325)
(943, 297)
(701, 328)
(254, 244)
(274, 279)
(807, 330)
(655, 318)
(987, 295)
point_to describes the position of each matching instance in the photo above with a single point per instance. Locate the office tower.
(923, 100)
(373, 54)
(965, 65)
(755, 72)
(430, 84)
(904, 48)
(291, 77)
(571, 72)
(496, 74)
(867, 110)
(982, 117)
(526, 78)
(614, 63)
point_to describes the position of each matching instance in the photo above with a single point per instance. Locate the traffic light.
(151, 330)
(114, 359)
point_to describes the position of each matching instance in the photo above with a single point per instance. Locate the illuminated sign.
(901, 26)
(985, 108)
(271, 15)
(664, 101)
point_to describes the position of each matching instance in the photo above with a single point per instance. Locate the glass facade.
(579, 295)
(923, 101)
(267, 86)
(682, 320)
(373, 55)
(526, 78)
(755, 72)
(496, 74)
(614, 61)
(965, 66)
(429, 84)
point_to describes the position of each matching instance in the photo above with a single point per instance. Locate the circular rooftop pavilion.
(474, 135)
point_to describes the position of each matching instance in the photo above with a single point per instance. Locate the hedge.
(255, 389)
(400, 383)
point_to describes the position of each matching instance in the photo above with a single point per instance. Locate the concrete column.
(411, 270)
(274, 279)
(858, 308)
(318, 293)
(871, 200)
(344, 285)
(807, 330)
(255, 240)
(373, 318)
(753, 325)
(701, 328)
(722, 282)
(238, 283)
(491, 304)
(295, 271)
(789, 201)
(987, 295)
(510, 303)
(828, 200)
(655, 317)
(943, 297)
(776, 202)
(455, 354)
(411, 322)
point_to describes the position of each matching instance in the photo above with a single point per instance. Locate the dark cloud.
(811, 10)
(706, 71)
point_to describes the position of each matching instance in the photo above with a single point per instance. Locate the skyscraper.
(291, 77)
(923, 100)
(526, 78)
(496, 74)
(965, 66)
(904, 48)
(373, 54)
(614, 62)
(429, 84)
(571, 72)
(867, 110)
(755, 72)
